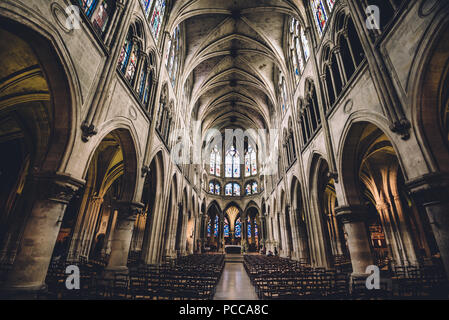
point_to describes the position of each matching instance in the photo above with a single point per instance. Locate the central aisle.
(235, 284)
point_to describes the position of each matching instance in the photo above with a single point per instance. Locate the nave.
(143, 140)
(208, 276)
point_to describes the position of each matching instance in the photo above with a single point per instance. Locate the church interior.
(224, 150)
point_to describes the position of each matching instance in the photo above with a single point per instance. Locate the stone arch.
(321, 243)
(430, 103)
(371, 165)
(111, 179)
(298, 212)
(38, 99)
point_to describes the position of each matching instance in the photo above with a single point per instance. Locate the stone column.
(432, 192)
(121, 239)
(353, 218)
(52, 194)
(303, 240)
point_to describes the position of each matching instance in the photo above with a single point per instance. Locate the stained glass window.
(238, 228)
(88, 6)
(319, 12)
(157, 18)
(305, 44)
(256, 229)
(211, 187)
(215, 161)
(132, 65)
(212, 163)
(172, 58)
(248, 189)
(228, 189)
(330, 4)
(125, 53)
(102, 15)
(226, 228)
(253, 162)
(217, 188)
(209, 227)
(283, 92)
(250, 162)
(232, 163)
(216, 227)
(232, 189)
(144, 83)
(236, 189)
(146, 6)
(254, 188)
(249, 227)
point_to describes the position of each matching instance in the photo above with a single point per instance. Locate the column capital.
(430, 188)
(58, 187)
(349, 214)
(128, 209)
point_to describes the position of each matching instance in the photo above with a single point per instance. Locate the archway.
(172, 210)
(397, 229)
(253, 229)
(212, 227)
(327, 201)
(35, 121)
(110, 182)
(190, 233)
(324, 242)
(431, 119)
(144, 228)
(299, 214)
(181, 224)
(288, 248)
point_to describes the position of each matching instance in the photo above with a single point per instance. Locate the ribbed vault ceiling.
(232, 51)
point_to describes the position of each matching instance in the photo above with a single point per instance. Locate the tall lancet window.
(209, 227)
(283, 92)
(129, 57)
(99, 12)
(319, 14)
(250, 162)
(173, 55)
(295, 49)
(146, 6)
(232, 163)
(216, 227)
(238, 228)
(215, 162)
(305, 44)
(157, 18)
(226, 228)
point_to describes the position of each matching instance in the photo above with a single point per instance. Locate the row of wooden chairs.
(279, 278)
(194, 278)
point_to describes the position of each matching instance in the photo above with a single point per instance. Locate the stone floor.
(235, 284)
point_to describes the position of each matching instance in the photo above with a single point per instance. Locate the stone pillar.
(52, 194)
(432, 192)
(302, 236)
(121, 239)
(353, 218)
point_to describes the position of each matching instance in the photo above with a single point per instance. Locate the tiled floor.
(235, 284)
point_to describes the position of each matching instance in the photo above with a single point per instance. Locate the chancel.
(227, 150)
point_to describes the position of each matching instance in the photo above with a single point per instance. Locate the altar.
(233, 249)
